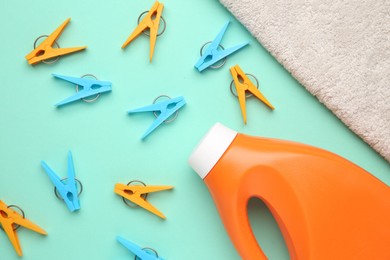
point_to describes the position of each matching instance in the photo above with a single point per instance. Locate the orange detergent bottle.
(326, 207)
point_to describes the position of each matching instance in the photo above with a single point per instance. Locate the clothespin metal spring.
(93, 98)
(148, 250)
(140, 253)
(169, 119)
(248, 94)
(49, 61)
(64, 179)
(146, 31)
(16, 226)
(164, 111)
(222, 62)
(144, 196)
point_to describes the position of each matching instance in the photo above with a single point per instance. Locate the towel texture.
(339, 50)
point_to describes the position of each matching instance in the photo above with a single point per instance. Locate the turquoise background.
(105, 141)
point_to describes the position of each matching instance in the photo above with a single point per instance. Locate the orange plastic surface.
(9, 218)
(244, 84)
(326, 207)
(151, 21)
(45, 50)
(134, 194)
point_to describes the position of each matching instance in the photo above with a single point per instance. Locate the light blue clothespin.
(67, 191)
(143, 254)
(213, 55)
(166, 108)
(90, 87)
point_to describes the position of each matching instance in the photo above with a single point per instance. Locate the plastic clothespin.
(67, 191)
(139, 252)
(243, 84)
(213, 55)
(151, 21)
(45, 50)
(9, 219)
(134, 194)
(166, 109)
(91, 87)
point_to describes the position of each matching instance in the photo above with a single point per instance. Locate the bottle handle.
(240, 231)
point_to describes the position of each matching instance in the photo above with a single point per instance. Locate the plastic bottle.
(326, 207)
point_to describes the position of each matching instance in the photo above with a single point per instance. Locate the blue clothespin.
(90, 87)
(213, 55)
(67, 191)
(166, 109)
(143, 254)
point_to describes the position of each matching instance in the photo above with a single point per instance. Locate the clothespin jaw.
(68, 191)
(91, 87)
(45, 50)
(137, 250)
(151, 21)
(212, 55)
(9, 218)
(133, 193)
(166, 108)
(243, 84)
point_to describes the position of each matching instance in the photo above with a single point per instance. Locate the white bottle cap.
(210, 149)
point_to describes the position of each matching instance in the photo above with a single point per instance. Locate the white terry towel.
(338, 49)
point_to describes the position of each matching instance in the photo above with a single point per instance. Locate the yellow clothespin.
(243, 84)
(45, 50)
(137, 195)
(151, 21)
(10, 219)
